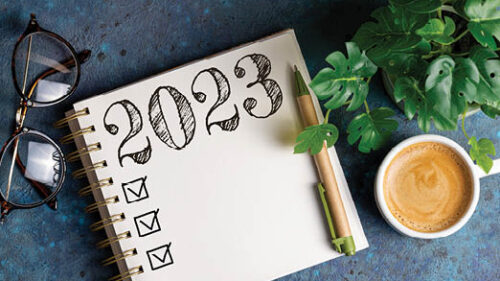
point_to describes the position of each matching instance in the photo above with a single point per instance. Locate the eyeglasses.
(46, 71)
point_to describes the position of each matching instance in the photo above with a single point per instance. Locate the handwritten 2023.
(185, 112)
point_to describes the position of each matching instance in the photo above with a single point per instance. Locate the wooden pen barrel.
(326, 174)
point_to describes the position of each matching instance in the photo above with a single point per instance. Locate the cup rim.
(379, 189)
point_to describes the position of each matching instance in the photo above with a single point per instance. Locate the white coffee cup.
(475, 171)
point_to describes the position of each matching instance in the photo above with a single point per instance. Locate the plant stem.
(440, 14)
(460, 54)
(463, 122)
(367, 108)
(458, 37)
(327, 116)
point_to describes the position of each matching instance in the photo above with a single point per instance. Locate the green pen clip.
(343, 245)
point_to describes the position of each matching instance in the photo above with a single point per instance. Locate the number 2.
(223, 92)
(135, 119)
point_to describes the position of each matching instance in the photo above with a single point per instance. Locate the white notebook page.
(232, 204)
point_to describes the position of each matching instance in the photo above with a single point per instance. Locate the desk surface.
(131, 40)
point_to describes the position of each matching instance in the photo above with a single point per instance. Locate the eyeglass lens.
(44, 68)
(38, 162)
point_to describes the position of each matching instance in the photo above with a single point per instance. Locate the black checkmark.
(147, 229)
(134, 194)
(164, 256)
(150, 227)
(155, 261)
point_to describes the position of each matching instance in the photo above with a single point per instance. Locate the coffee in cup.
(428, 186)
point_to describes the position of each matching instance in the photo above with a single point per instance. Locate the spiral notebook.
(194, 175)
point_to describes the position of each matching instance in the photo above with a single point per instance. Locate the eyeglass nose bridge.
(21, 113)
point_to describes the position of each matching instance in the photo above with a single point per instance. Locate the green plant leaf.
(484, 21)
(488, 64)
(372, 129)
(313, 138)
(409, 63)
(347, 78)
(437, 30)
(394, 31)
(459, 6)
(418, 6)
(491, 109)
(416, 101)
(449, 85)
(479, 152)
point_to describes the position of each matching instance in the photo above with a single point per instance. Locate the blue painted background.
(131, 40)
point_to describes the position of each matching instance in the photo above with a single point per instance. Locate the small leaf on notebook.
(313, 138)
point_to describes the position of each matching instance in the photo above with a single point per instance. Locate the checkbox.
(160, 257)
(147, 223)
(135, 190)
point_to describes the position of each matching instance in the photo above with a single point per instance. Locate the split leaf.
(416, 101)
(347, 78)
(418, 6)
(438, 31)
(394, 31)
(371, 129)
(450, 85)
(484, 21)
(488, 64)
(479, 152)
(313, 138)
(491, 109)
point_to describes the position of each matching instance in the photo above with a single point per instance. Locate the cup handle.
(494, 170)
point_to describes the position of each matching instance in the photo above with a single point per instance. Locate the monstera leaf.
(394, 31)
(491, 109)
(418, 6)
(484, 21)
(313, 138)
(479, 152)
(408, 63)
(347, 78)
(488, 64)
(372, 129)
(449, 85)
(438, 31)
(416, 101)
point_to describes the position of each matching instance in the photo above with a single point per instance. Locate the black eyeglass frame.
(76, 60)
(12, 205)
(32, 29)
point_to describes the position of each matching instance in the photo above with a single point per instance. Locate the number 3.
(272, 88)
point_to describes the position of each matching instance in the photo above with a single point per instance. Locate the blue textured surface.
(131, 40)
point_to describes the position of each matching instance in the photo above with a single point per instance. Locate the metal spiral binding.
(95, 206)
(108, 221)
(95, 186)
(71, 137)
(125, 275)
(121, 256)
(111, 240)
(77, 154)
(80, 173)
(64, 122)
